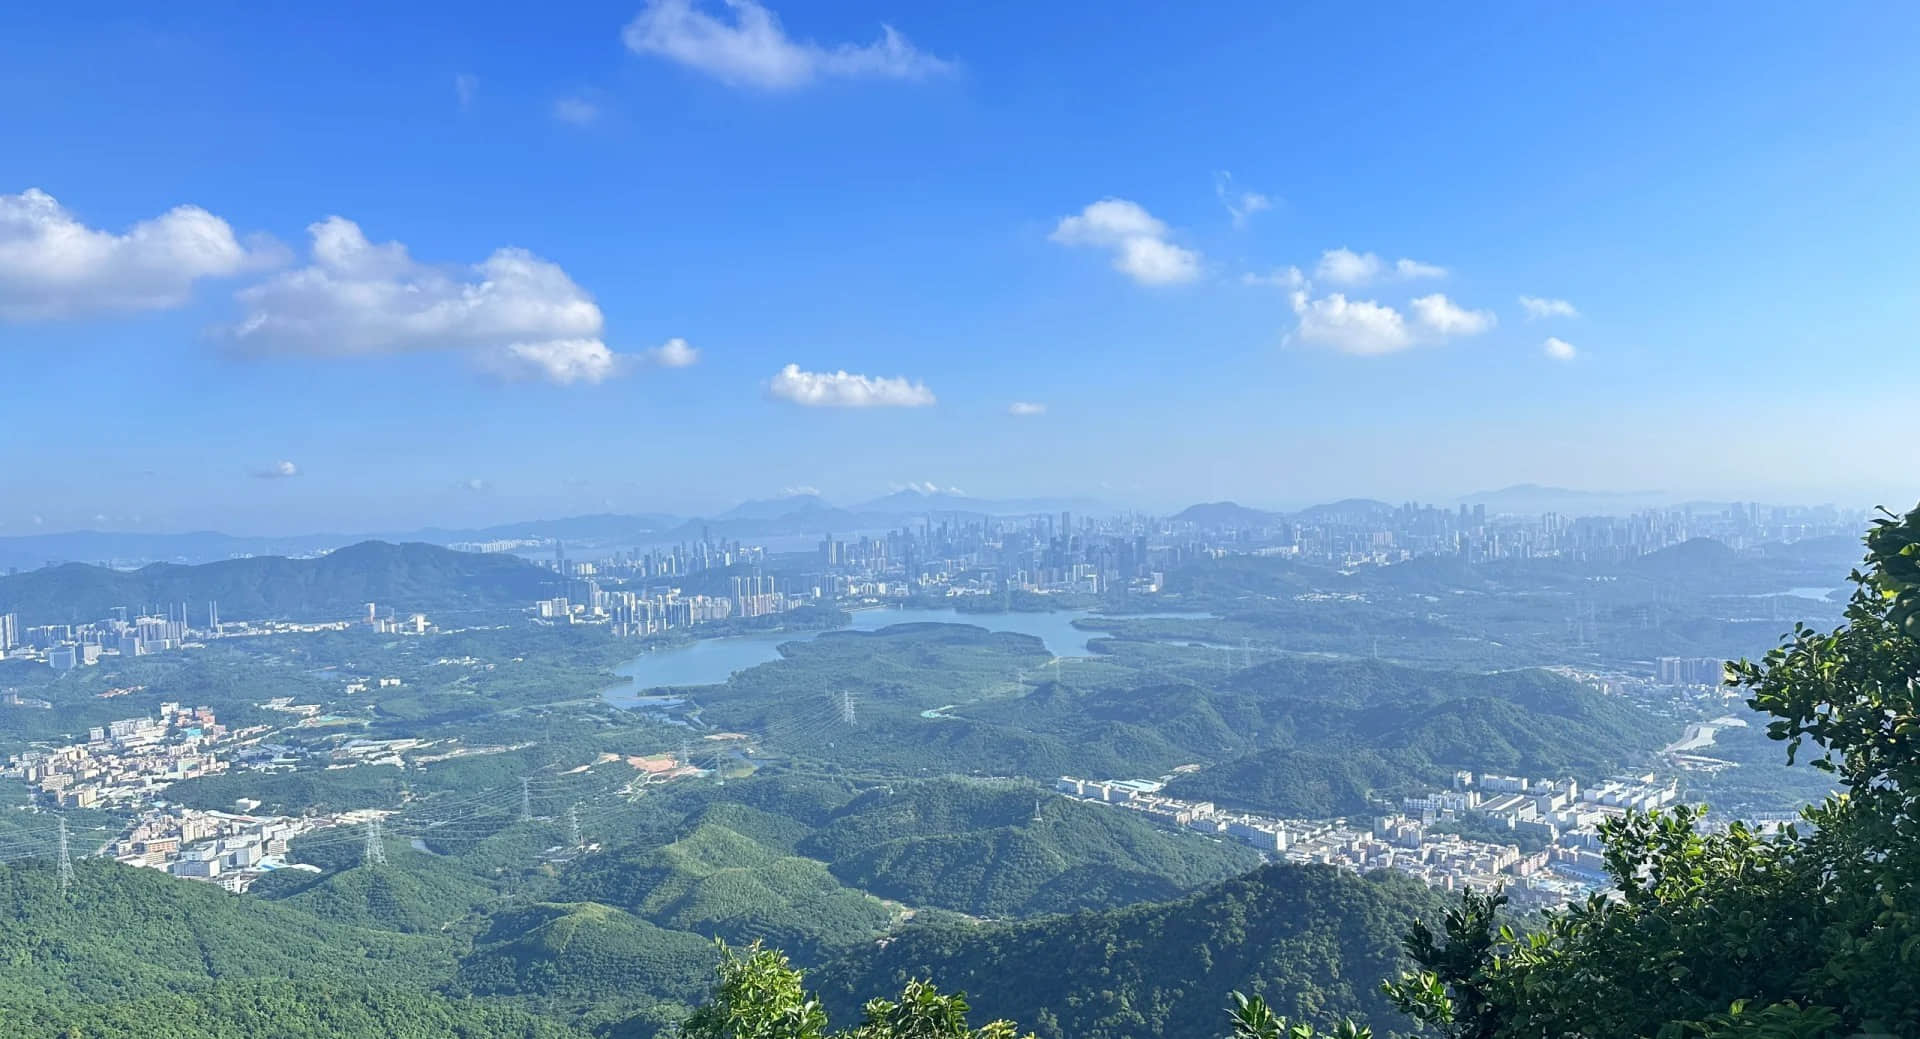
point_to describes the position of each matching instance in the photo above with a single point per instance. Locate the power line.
(376, 850)
(66, 863)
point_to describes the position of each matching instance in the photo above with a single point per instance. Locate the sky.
(412, 264)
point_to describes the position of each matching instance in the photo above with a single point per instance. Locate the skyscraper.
(9, 631)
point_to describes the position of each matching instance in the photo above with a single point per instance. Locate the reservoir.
(712, 661)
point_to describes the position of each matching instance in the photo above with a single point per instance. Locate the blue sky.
(622, 223)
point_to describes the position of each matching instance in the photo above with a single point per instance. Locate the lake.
(712, 661)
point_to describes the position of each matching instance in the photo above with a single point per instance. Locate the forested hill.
(1314, 941)
(336, 586)
(134, 952)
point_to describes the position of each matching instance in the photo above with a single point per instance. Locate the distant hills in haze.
(336, 586)
(783, 516)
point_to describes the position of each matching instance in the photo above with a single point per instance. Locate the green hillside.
(1004, 849)
(335, 586)
(1315, 942)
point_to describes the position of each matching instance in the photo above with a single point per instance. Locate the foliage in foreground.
(761, 995)
(1811, 933)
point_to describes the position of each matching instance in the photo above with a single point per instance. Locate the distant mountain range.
(798, 514)
(407, 577)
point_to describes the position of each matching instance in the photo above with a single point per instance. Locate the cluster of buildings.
(214, 847)
(127, 761)
(637, 614)
(1561, 814)
(1359, 532)
(68, 646)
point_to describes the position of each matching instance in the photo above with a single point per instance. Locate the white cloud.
(746, 46)
(522, 316)
(1441, 316)
(1137, 240)
(844, 389)
(801, 491)
(1343, 266)
(560, 361)
(576, 111)
(52, 265)
(1559, 349)
(1351, 326)
(928, 487)
(1539, 307)
(1241, 205)
(278, 471)
(1026, 408)
(476, 485)
(674, 353)
(1279, 277)
(466, 87)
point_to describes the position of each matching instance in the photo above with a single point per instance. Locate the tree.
(1811, 932)
(761, 995)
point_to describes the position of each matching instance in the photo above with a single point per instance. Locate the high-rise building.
(9, 631)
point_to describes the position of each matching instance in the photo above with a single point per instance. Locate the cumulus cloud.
(1351, 326)
(1559, 349)
(1139, 242)
(674, 353)
(1443, 317)
(1279, 277)
(576, 111)
(843, 389)
(1539, 307)
(927, 487)
(560, 361)
(52, 265)
(519, 315)
(1241, 205)
(743, 44)
(277, 471)
(1343, 266)
(1026, 408)
(476, 485)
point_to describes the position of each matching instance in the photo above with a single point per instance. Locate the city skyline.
(669, 256)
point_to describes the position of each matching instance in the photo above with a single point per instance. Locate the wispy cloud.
(1026, 408)
(466, 87)
(1443, 317)
(744, 44)
(843, 389)
(1350, 269)
(576, 111)
(282, 470)
(674, 353)
(1541, 307)
(1140, 244)
(1241, 205)
(1279, 277)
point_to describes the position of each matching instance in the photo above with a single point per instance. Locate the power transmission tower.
(375, 853)
(573, 825)
(846, 709)
(526, 801)
(66, 862)
(686, 754)
(1246, 652)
